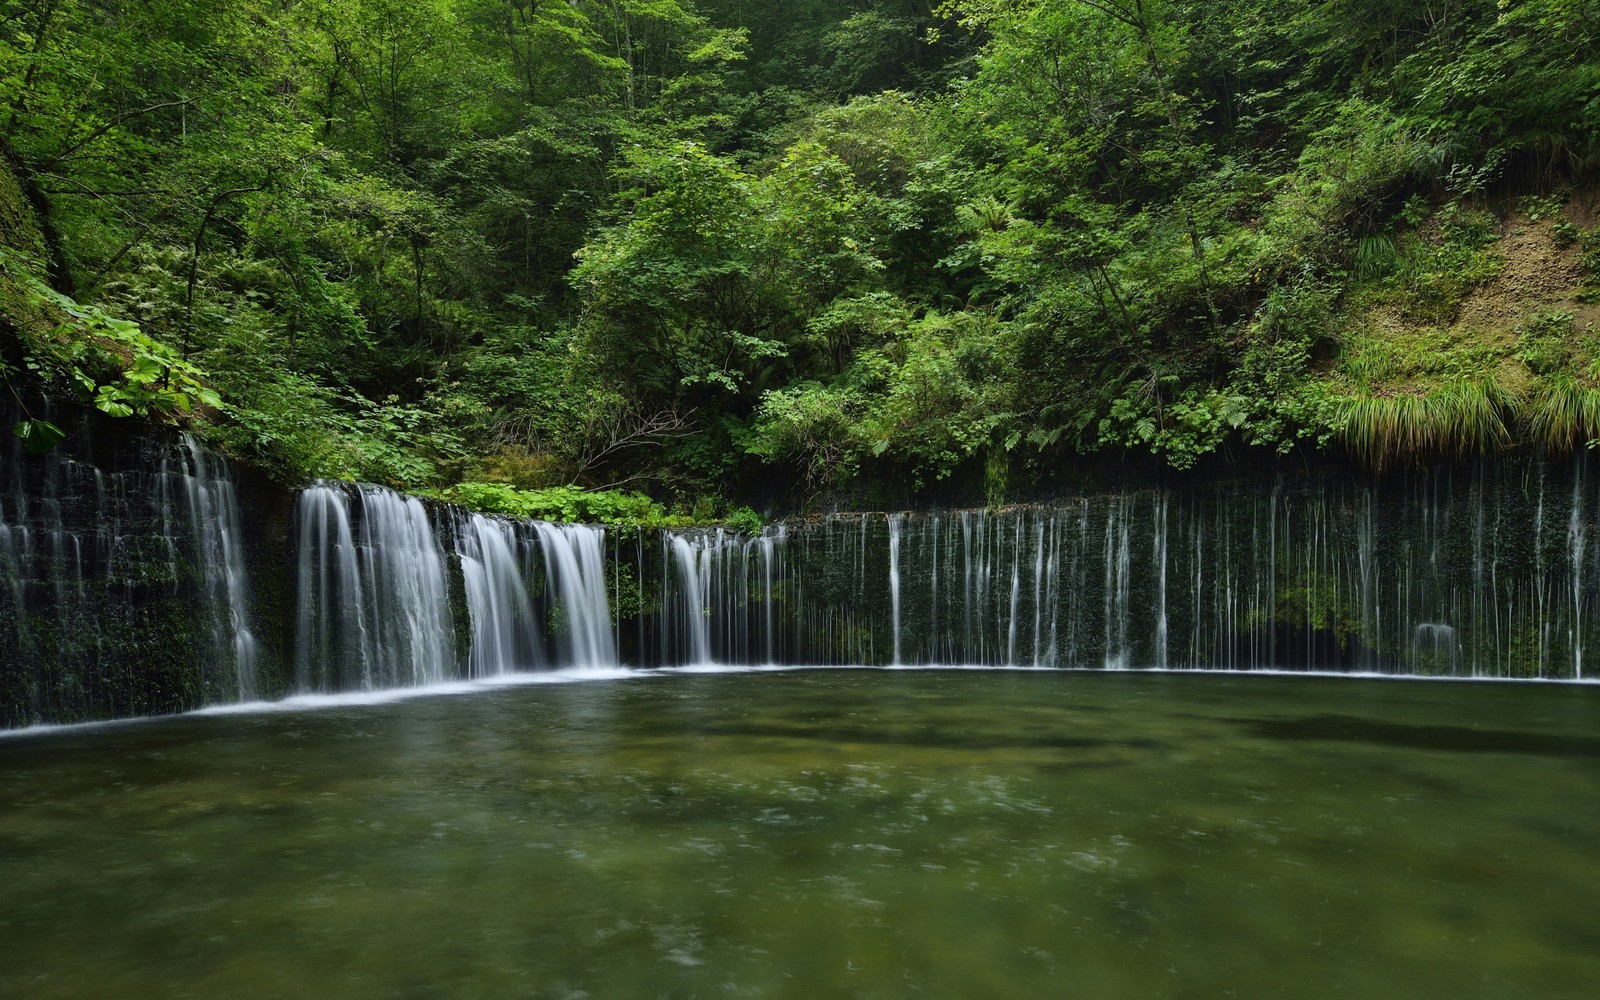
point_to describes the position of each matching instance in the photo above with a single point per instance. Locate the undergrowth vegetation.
(568, 504)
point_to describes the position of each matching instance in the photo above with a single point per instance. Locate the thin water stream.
(821, 833)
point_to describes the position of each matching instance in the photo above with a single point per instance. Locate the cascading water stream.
(495, 558)
(895, 521)
(374, 593)
(374, 608)
(695, 558)
(215, 521)
(1577, 548)
(575, 565)
(770, 542)
(728, 598)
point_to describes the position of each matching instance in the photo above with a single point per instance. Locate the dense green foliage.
(714, 247)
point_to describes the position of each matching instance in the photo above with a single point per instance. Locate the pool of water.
(830, 833)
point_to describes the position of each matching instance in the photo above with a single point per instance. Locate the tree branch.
(76, 147)
(628, 429)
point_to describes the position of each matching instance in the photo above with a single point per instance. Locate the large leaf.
(39, 436)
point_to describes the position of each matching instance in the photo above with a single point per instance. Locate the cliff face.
(138, 575)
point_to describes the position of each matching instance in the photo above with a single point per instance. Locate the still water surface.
(828, 833)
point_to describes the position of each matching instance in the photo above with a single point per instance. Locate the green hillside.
(523, 251)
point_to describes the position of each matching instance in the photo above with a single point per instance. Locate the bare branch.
(611, 432)
(1116, 11)
(91, 193)
(653, 475)
(116, 120)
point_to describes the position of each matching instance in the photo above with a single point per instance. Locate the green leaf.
(112, 401)
(39, 436)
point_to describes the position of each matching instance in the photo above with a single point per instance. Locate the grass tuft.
(1564, 415)
(1464, 417)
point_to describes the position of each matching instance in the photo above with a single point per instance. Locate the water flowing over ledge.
(124, 588)
(134, 584)
(374, 610)
(1490, 574)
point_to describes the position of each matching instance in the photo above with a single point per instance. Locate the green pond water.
(828, 833)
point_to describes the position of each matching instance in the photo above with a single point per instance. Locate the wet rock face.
(1474, 569)
(124, 585)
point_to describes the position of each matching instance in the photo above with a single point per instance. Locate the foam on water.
(591, 675)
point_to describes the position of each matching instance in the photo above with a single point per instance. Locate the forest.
(655, 260)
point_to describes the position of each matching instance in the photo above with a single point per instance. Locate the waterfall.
(1577, 547)
(770, 542)
(123, 588)
(895, 521)
(729, 598)
(215, 521)
(505, 627)
(695, 559)
(374, 607)
(1016, 592)
(1484, 569)
(374, 590)
(575, 566)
